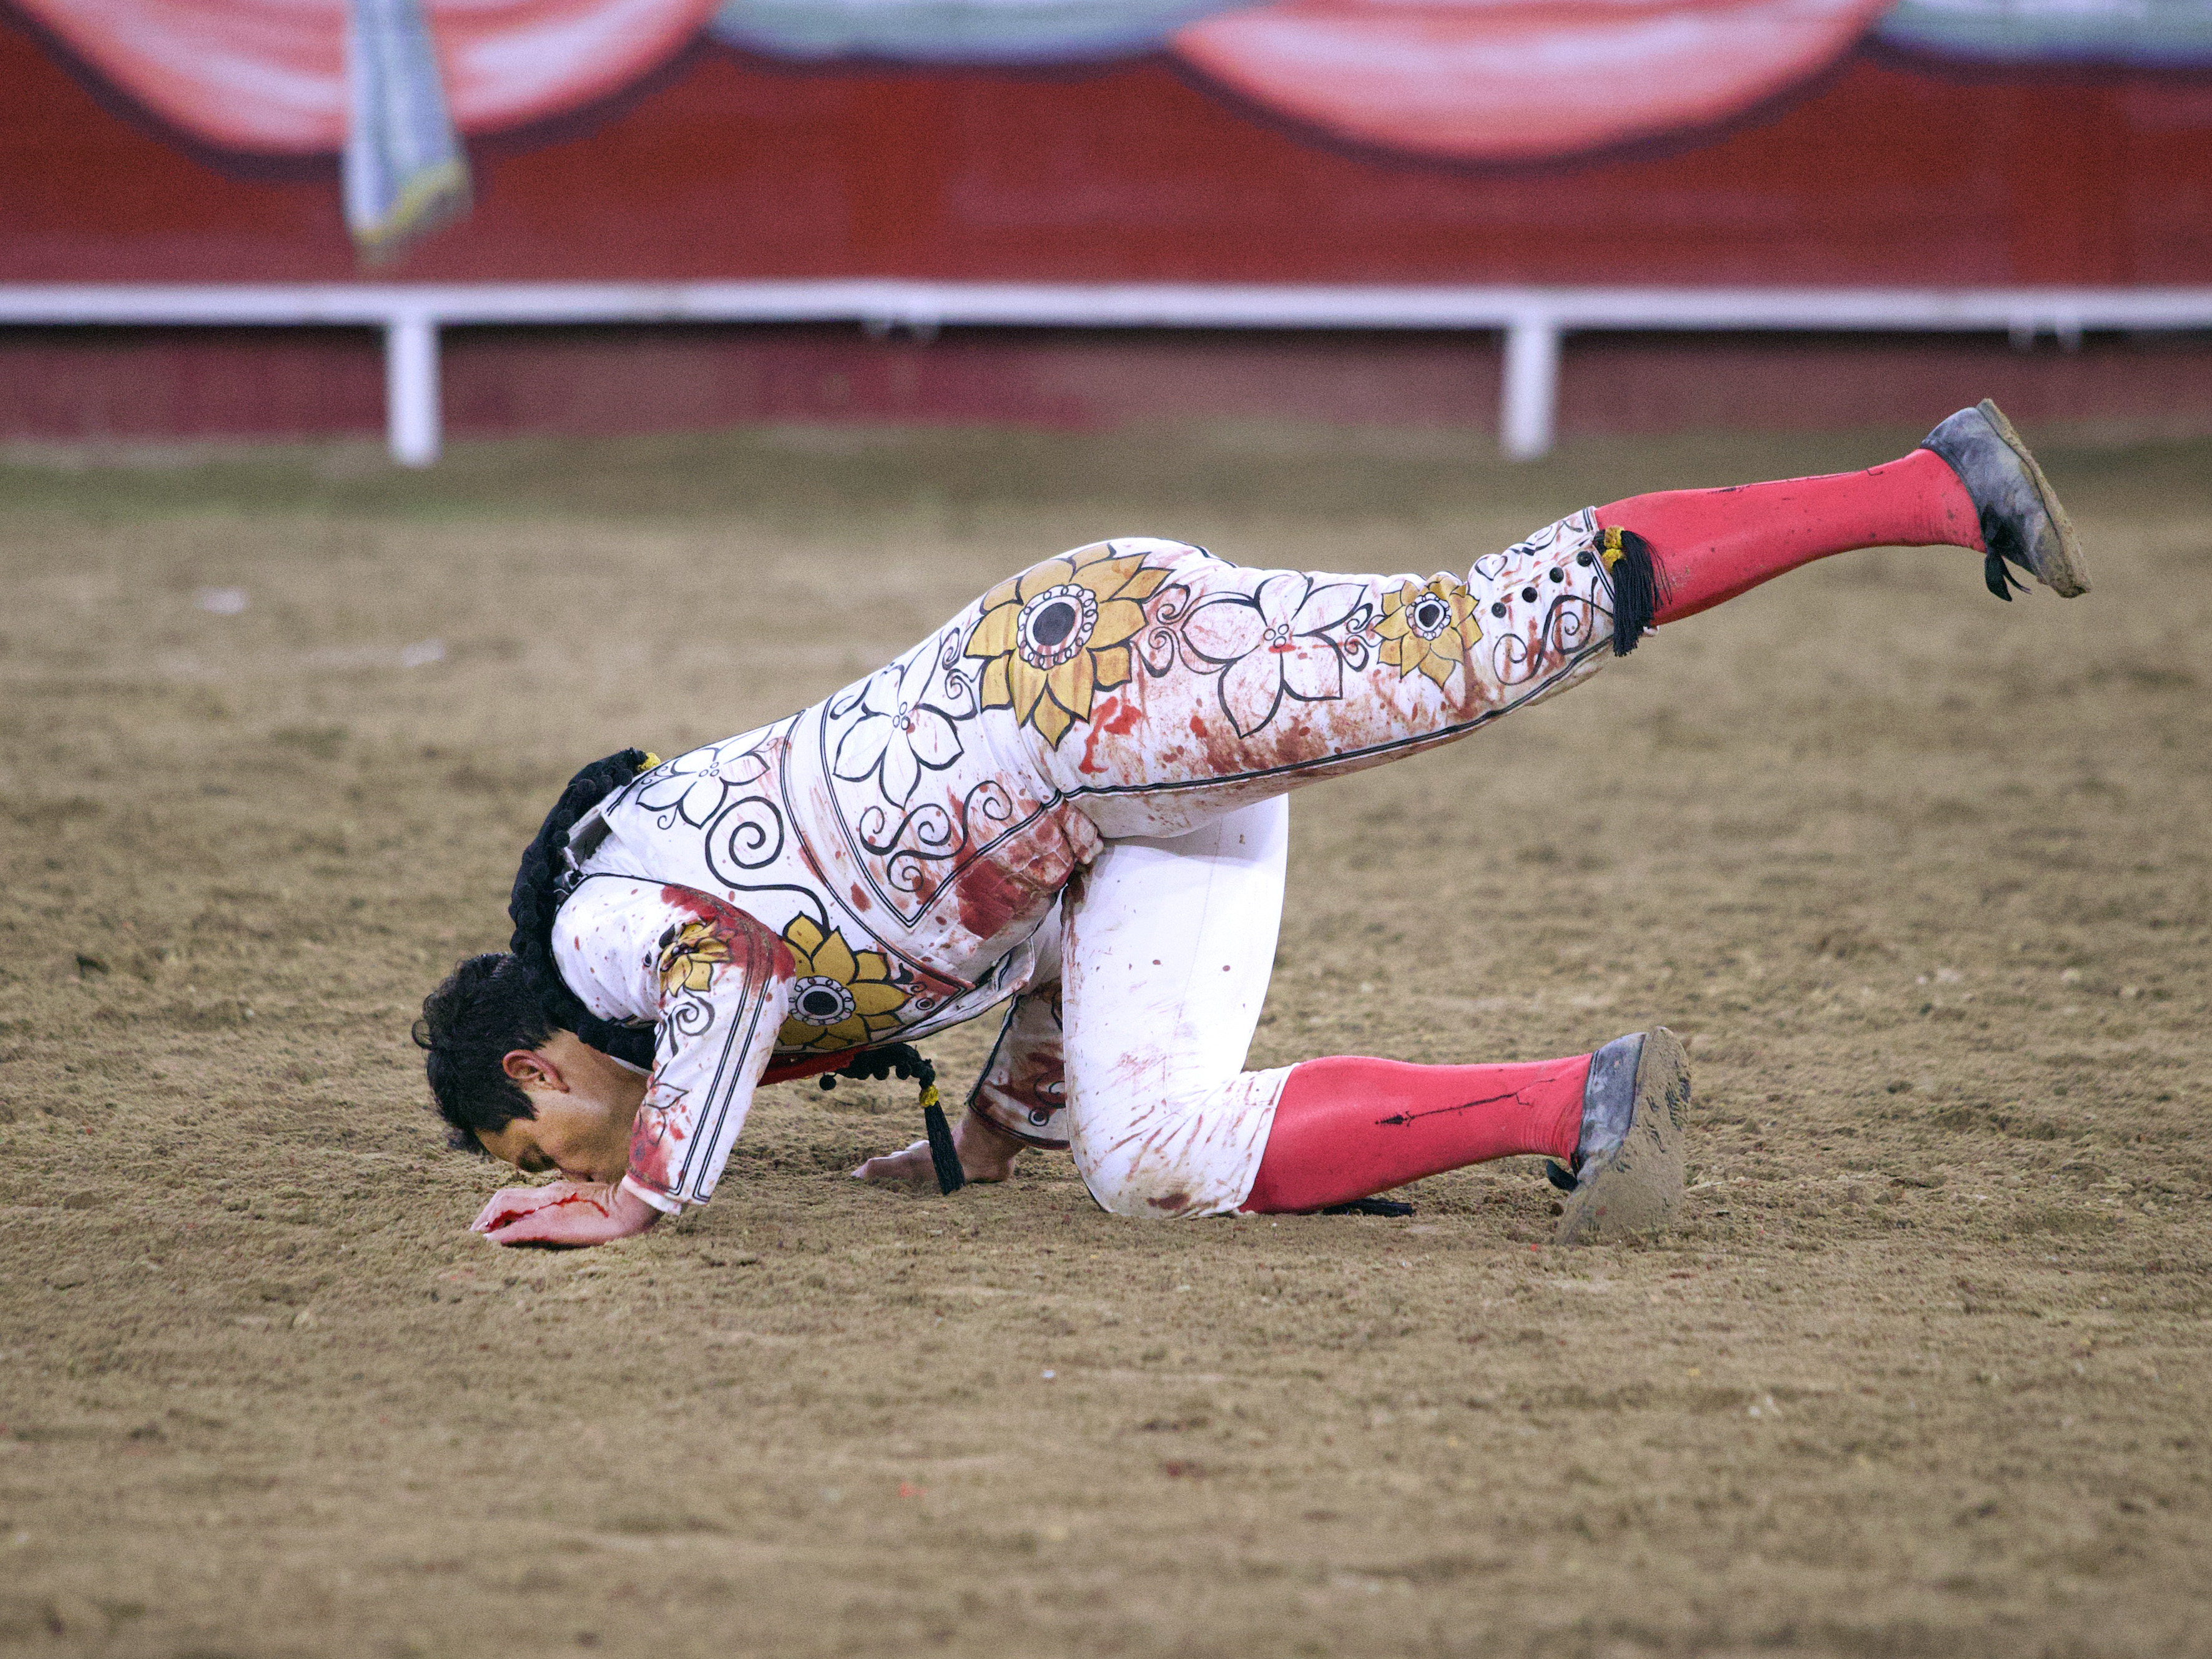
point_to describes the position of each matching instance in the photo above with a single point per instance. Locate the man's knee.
(1162, 1189)
(1171, 1159)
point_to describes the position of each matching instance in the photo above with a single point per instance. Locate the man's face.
(585, 1104)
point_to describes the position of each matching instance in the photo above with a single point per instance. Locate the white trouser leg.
(1167, 949)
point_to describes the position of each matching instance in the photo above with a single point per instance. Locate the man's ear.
(528, 1069)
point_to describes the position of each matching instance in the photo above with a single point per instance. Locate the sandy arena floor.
(1922, 877)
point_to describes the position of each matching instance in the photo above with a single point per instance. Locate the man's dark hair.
(485, 1009)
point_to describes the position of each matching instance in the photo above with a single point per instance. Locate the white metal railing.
(1533, 320)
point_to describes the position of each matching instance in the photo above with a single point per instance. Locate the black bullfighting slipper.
(2022, 522)
(1628, 1172)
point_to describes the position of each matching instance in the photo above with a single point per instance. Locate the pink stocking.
(1712, 544)
(1346, 1127)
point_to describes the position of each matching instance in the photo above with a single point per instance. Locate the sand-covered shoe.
(1628, 1165)
(2022, 522)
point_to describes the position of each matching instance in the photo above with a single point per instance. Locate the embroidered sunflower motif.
(689, 955)
(842, 998)
(1428, 630)
(1057, 635)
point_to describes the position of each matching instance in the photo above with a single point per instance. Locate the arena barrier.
(1533, 321)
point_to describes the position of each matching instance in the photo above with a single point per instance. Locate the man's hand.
(563, 1214)
(986, 1153)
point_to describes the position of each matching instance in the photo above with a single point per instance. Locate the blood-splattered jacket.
(890, 861)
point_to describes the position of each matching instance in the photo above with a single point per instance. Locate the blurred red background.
(723, 167)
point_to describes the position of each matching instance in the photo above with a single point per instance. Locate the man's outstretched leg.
(1970, 484)
(1221, 684)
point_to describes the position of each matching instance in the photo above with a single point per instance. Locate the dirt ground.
(1922, 877)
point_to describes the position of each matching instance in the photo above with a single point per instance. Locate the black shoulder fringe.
(537, 894)
(1392, 1207)
(891, 1059)
(1997, 579)
(1639, 587)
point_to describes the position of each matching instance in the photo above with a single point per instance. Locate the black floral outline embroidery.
(1290, 637)
(910, 854)
(721, 790)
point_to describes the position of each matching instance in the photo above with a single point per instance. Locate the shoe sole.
(2062, 572)
(1639, 1189)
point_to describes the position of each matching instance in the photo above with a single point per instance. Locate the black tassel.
(907, 1060)
(1639, 587)
(942, 1155)
(1999, 577)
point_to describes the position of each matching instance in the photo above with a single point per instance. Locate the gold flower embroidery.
(689, 955)
(1428, 630)
(841, 997)
(1058, 633)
